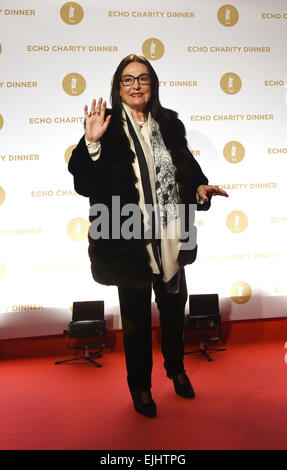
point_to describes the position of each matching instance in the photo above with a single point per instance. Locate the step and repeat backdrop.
(222, 67)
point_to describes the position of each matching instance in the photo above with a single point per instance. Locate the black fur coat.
(124, 262)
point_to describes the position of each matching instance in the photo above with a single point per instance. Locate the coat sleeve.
(198, 177)
(88, 175)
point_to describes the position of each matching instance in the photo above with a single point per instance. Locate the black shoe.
(144, 403)
(182, 385)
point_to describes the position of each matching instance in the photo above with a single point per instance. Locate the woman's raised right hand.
(96, 124)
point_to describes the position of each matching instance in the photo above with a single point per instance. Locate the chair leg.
(207, 356)
(93, 362)
(79, 358)
(88, 357)
(202, 350)
(69, 360)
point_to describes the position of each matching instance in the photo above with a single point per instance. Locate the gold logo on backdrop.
(233, 152)
(2, 195)
(240, 292)
(153, 49)
(237, 221)
(1, 121)
(74, 84)
(0, 48)
(227, 15)
(68, 152)
(230, 83)
(3, 271)
(78, 229)
(72, 13)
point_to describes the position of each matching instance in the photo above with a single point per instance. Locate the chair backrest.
(203, 304)
(90, 310)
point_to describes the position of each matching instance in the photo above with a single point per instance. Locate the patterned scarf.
(165, 183)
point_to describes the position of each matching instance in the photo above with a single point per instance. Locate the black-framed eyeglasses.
(128, 80)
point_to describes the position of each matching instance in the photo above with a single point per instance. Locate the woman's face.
(136, 96)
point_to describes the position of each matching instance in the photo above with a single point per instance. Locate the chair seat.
(212, 316)
(86, 328)
(87, 323)
(202, 321)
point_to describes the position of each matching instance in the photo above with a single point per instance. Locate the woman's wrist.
(91, 140)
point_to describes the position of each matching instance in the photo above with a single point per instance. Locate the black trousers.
(135, 308)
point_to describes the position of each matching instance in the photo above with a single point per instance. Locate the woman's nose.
(136, 84)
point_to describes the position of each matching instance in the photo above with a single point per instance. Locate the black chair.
(87, 330)
(204, 316)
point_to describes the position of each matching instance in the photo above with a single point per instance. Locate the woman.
(136, 154)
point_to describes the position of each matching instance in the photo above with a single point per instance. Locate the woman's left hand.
(205, 191)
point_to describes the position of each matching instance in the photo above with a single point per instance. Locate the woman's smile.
(136, 95)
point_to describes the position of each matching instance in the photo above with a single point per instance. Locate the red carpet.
(240, 399)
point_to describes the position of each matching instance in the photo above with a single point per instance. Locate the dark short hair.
(153, 104)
